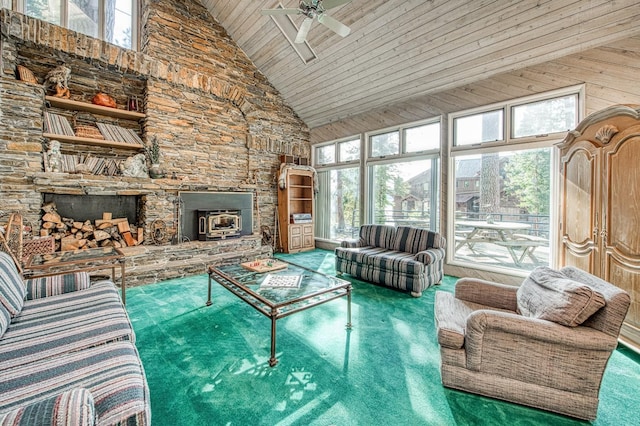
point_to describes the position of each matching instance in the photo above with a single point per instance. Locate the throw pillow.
(548, 294)
(12, 289)
(5, 319)
(75, 406)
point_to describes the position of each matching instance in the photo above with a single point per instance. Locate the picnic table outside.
(505, 234)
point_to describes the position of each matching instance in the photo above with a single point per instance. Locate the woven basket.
(42, 245)
(25, 74)
(91, 132)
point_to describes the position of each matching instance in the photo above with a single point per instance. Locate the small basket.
(41, 245)
(26, 74)
(91, 132)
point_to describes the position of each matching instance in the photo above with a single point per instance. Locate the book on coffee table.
(281, 281)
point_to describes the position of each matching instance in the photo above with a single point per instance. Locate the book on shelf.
(57, 124)
(112, 132)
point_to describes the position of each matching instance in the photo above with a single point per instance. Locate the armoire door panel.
(579, 207)
(581, 259)
(625, 273)
(623, 197)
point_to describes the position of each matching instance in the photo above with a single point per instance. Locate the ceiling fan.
(314, 9)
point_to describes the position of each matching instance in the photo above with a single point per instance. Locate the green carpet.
(208, 365)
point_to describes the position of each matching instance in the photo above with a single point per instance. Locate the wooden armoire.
(600, 203)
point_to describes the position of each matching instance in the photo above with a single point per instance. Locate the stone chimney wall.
(220, 124)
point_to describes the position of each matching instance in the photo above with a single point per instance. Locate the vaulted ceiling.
(402, 50)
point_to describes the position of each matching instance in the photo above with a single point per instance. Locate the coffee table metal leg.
(273, 361)
(209, 293)
(123, 281)
(349, 307)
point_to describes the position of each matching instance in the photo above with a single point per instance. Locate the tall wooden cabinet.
(600, 203)
(296, 209)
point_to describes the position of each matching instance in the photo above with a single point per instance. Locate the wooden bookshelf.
(93, 109)
(93, 142)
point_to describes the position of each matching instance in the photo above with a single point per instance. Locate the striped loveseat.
(67, 353)
(405, 258)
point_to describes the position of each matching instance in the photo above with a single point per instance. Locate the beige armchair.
(544, 344)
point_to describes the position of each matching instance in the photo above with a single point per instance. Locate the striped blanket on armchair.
(406, 258)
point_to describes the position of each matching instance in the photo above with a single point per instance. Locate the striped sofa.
(403, 257)
(67, 353)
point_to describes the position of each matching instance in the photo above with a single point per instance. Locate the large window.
(110, 20)
(404, 193)
(401, 187)
(338, 200)
(501, 176)
(403, 176)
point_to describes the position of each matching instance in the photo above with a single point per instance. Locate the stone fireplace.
(221, 127)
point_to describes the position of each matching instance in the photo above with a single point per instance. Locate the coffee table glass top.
(281, 286)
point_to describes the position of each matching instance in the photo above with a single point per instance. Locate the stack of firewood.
(72, 235)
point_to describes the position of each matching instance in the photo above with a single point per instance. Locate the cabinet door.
(307, 236)
(295, 237)
(620, 241)
(579, 214)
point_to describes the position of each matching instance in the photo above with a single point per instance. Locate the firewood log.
(124, 227)
(101, 235)
(128, 239)
(52, 217)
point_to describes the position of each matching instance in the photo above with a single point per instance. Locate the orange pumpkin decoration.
(104, 100)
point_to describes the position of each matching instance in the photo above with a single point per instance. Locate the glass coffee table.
(280, 292)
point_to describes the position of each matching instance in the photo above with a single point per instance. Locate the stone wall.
(220, 124)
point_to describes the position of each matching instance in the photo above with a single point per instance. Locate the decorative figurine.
(58, 79)
(135, 166)
(54, 157)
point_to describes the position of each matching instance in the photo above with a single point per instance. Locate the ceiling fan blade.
(280, 11)
(304, 30)
(328, 4)
(334, 25)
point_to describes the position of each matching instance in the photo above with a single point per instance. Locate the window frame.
(402, 156)
(507, 128)
(19, 6)
(402, 143)
(508, 144)
(337, 165)
(336, 153)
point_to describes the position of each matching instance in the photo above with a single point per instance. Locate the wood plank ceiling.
(402, 50)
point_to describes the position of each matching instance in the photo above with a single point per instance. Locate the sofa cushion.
(66, 323)
(548, 294)
(377, 236)
(381, 258)
(12, 289)
(73, 407)
(397, 261)
(358, 254)
(413, 240)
